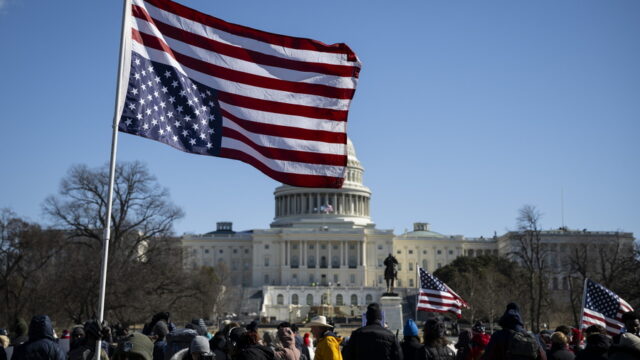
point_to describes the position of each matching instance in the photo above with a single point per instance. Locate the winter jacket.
(41, 344)
(435, 352)
(560, 352)
(627, 349)
(256, 352)
(597, 348)
(410, 346)
(479, 342)
(328, 347)
(373, 342)
(498, 345)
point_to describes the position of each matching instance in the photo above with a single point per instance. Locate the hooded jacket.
(510, 322)
(41, 344)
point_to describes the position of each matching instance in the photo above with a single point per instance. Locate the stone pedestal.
(392, 307)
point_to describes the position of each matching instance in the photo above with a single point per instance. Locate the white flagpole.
(584, 300)
(123, 67)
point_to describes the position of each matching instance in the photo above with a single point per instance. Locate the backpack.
(177, 340)
(522, 345)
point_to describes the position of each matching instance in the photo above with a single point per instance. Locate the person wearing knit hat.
(513, 337)
(134, 346)
(199, 347)
(411, 342)
(372, 341)
(479, 340)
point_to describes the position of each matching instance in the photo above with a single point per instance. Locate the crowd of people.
(160, 339)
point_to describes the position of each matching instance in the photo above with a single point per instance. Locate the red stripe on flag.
(281, 108)
(300, 180)
(244, 54)
(288, 155)
(242, 77)
(286, 131)
(244, 31)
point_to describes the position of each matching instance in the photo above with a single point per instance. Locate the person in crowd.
(435, 343)
(4, 339)
(308, 346)
(218, 345)
(479, 340)
(249, 347)
(287, 349)
(576, 344)
(598, 344)
(161, 316)
(85, 350)
(300, 342)
(41, 344)
(135, 346)
(560, 347)
(411, 342)
(19, 330)
(199, 348)
(328, 346)
(463, 346)
(269, 338)
(373, 341)
(545, 339)
(4, 343)
(77, 337)
(627, 344)
(512, 341)
(158, 334)
(235, 335)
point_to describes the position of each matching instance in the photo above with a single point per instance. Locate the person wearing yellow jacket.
(328, 347)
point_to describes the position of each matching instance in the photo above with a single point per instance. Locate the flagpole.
(417, 293)
(126, 7)
(584, 300)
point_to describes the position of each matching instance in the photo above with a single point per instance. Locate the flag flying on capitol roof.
(209, 87)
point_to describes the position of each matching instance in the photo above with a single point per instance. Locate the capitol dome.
(320, 207)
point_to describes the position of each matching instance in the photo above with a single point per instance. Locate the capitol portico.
(323, 253)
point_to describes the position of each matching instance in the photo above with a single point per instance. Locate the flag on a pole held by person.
(436, 296)
(603, 307)
(209, 87)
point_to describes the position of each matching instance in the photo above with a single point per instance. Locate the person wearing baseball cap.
(328, 347)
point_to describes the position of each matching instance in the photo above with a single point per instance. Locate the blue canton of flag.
(169, 107)
(603, 307)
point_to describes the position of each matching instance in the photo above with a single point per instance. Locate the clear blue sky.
(465, 110)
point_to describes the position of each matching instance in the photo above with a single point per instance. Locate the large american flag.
(436, 296)
(603, 307)
(209, 87)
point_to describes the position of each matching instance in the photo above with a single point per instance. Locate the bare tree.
(25, 250)
(532, 254)
(144, 265)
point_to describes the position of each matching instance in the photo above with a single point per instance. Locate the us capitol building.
(323, 253)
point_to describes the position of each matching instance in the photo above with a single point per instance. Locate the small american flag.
(436, 296)
(209, 87)
(603, 307)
